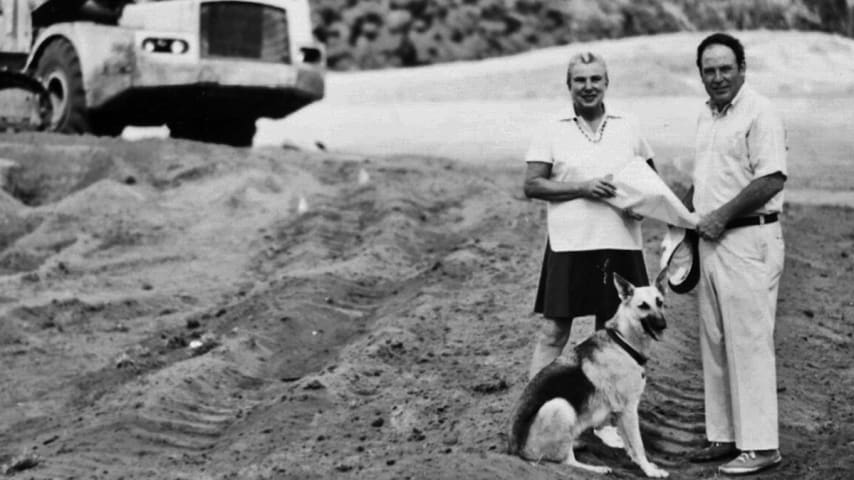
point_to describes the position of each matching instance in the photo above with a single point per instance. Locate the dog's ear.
(661, 282)
(624, 288)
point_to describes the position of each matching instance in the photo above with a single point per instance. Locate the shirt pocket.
(736, 145)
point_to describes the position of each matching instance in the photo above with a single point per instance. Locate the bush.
(368, 34)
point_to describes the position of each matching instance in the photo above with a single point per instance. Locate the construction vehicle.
(208, 69)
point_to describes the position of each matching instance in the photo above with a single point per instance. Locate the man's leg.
(754, 261)
(756, 265)
(552, 338)
(719, 427)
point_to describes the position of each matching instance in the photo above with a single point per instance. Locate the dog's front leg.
(630, 447)
(630, 430)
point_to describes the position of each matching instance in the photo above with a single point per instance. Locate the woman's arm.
(538, 185)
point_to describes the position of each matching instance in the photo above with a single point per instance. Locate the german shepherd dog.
(600, 379)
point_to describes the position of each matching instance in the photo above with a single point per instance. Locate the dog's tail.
(519, 424)
(542, 388)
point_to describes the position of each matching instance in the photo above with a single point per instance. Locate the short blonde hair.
(584, 58)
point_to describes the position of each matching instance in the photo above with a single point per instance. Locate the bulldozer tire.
(228, 131)
(59, 71)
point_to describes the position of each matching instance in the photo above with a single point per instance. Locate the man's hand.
(631, 214)
(712, 226)
(599, 188)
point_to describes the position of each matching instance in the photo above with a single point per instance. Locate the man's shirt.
(746, 140)
(584, 224)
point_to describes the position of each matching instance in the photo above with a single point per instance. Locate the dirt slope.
(179, 310)
(780, 64)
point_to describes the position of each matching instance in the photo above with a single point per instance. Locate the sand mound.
(780, 63)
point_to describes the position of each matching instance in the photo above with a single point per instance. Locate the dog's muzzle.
(653, 325)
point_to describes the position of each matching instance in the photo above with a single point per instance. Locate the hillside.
(780, 64)
(486, 111)
(370, 34)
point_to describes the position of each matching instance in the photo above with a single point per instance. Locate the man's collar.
(742, 92)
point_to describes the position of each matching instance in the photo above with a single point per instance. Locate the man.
(568, 166)
(739, 171)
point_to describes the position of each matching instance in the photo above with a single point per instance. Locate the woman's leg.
(551, 339)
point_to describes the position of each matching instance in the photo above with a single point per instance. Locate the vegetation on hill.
(369, 34)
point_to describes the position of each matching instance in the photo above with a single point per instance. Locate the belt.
(755, 220)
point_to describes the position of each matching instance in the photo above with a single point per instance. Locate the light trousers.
(737, 293)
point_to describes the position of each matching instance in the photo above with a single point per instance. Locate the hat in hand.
(681, 259)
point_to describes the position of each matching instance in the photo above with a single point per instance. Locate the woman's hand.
(599, 188)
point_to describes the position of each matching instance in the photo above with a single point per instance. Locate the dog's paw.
(590, 468)
(653, 471)
(601, 470)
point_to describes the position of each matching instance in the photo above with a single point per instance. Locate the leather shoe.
(714, 451)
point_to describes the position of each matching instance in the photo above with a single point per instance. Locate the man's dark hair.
(725, 40)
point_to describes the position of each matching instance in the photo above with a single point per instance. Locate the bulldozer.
(207, 69)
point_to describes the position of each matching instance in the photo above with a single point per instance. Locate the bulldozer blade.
(24, 103)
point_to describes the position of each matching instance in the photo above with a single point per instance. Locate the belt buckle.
(761, 219)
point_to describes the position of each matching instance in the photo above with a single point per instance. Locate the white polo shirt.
(743, 142)
(585, 224)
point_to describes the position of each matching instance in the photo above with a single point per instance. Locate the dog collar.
(618, 337)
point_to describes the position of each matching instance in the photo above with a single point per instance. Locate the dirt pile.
(174, 309)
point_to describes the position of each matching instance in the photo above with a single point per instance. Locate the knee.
(555, 333)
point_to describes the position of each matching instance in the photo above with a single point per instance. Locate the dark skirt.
(574, 284)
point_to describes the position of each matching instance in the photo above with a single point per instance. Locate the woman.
(569, 164)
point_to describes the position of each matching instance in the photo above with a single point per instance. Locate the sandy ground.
(169, 311)
(177, 310)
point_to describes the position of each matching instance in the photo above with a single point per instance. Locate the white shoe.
(609, 436)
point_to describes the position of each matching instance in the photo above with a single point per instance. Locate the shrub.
(367, 34)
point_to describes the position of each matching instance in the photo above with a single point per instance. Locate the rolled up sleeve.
(767, 144)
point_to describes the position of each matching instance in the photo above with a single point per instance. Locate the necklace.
(600, 132)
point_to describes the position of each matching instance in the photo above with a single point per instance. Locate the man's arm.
(753, 196)
(539, 185)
